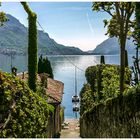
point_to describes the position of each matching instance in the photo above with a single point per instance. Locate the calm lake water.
(64, 71)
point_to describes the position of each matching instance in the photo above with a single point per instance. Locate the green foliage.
(42, 86)
(120, 25)
(44, 66)
(32, 47)
(94, 78)
(3, 18)
(136, 69)
(103, 83)
(136, 33)
(136, 36)
(99, 82)
(114, 118)
(41, 89)
(110, 81)
(32, 53)
(106, 71)
(40, 64)
(87, 98)
(120, 13)
(24, 114)
(91, 74)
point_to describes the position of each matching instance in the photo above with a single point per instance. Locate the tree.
(119, 26)
(49, 68)
(3, 18)
(136, 36)
(32, 47)
(44, 66)
(40, 64)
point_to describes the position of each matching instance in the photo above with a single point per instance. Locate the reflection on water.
(17, 61)
(63, 71)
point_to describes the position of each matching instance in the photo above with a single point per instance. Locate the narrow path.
(70, 129)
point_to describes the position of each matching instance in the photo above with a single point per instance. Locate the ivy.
(102, 84)
(24, 113)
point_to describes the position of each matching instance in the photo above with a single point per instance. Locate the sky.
(68, 23)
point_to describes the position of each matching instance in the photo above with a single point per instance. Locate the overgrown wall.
(116, 118)
(23, 113)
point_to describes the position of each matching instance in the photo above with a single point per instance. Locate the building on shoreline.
(54, 94)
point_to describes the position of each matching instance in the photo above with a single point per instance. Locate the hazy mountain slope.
(111, 46)
(14, 35)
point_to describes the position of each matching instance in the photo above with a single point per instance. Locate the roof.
(54, 89)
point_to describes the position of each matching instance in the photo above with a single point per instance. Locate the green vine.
(24, 114)
(102, 84)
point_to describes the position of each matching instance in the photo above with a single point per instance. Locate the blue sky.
(68, 23)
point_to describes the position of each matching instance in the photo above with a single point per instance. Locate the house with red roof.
(54, 92)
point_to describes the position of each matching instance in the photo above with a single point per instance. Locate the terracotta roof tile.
(54, 89)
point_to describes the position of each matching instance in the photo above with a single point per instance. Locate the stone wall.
(116, 118)
(51, 129)
(55, 121)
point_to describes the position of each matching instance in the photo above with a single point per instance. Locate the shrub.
(96, 73)
(23, 113)
(110, 82)
(94, 78)
(87, 98)
(102, 83)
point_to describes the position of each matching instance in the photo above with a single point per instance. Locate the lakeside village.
(30, 104)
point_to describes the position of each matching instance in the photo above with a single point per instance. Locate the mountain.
(14, 37)
(111, 46)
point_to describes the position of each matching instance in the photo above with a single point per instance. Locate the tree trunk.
(122, 63)
(126, 58)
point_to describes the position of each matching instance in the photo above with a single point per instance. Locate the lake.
(64, 70)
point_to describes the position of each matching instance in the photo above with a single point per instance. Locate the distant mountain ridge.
(15, 35)
(111, 46)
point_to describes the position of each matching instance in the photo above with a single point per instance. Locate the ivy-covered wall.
(116, 118)
(23, 113)
(104, 80)
(102, 83)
